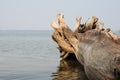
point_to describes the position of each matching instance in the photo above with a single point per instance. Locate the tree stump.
(95, 47)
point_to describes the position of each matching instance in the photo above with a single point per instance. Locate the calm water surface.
(27, 55)
(32, 55)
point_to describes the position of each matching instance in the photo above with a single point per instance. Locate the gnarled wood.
(96, 48)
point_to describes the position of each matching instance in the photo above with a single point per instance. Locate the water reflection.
(69, 70)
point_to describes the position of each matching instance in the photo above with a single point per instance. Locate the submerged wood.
(95, 47)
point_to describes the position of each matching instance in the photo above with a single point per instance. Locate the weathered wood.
(96, 48)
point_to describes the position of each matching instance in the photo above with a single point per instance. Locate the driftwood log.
(96, 48)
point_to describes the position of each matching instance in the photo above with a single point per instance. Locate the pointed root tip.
(54, 25)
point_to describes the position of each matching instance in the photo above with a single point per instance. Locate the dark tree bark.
(96, 48)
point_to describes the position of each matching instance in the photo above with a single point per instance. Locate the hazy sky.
(38, 14)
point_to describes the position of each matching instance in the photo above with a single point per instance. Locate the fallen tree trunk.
(96, 48)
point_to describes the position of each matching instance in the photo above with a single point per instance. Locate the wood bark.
(95, 47)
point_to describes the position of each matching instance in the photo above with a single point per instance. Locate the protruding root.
(101, 26)
(92, 23)
(107, 30)
(61, 20)
(77, 25)
(66, 55)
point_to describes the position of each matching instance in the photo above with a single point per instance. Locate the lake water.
(32, 55)
(27, 55)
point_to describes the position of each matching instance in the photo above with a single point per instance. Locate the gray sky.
(38, 14)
